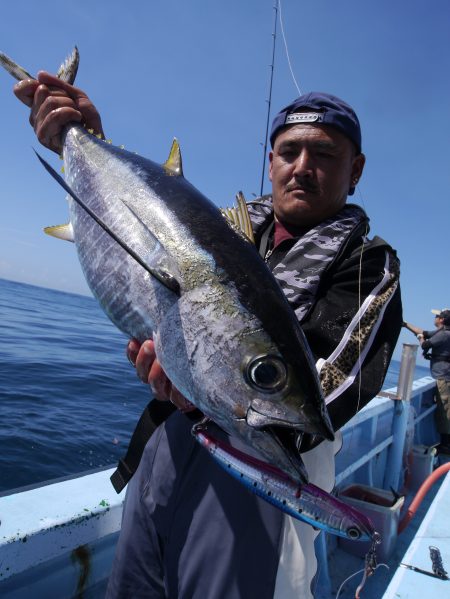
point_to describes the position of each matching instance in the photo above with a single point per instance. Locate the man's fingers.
(132, 351)
(41, 94)
(55, 104)
(54, 83)
(150, 371)
(91, 117)
(183, 404)
(25, 90)
(144, 360)
(158, 381)
(49, 130)
(46, 104)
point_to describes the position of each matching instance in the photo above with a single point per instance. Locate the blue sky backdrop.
(200, 71)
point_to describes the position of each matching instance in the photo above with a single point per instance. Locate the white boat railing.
(58, 540)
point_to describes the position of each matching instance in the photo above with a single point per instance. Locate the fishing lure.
(304, 502)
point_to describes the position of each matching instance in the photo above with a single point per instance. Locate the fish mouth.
(288, 440)
(256, 418)
(278, 445)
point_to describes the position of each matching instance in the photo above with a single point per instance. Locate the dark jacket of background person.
(438, 341)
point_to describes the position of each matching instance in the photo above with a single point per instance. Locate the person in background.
(189, 530)
(436, 346)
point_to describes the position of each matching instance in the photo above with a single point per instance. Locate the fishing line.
(356, 574)
(359, 320)
(269, 100)
(287, 51)
(364, 240)
(277, 9)
(366, 232)
(347, 579)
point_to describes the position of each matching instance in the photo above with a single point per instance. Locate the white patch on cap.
(303, 117)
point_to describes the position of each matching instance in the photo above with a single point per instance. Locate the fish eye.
(267, 373)
(353, 533)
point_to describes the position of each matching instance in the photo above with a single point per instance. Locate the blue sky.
(200, 71)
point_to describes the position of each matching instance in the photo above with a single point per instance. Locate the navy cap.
(445, 315)
(324, 109)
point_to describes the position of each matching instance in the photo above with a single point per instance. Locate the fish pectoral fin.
(239, 219)
(167, 279)
(158, 262)
(174, 165)
(160, 273)
(64, 232)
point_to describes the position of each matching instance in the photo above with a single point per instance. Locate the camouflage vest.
(301, 269)
(300, 272)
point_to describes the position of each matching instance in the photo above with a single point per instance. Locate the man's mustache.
(301, 186)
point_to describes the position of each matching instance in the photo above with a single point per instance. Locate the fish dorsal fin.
(174, 165)
(238, 217)
(64, 232)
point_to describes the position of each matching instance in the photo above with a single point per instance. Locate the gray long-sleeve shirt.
(439, 343)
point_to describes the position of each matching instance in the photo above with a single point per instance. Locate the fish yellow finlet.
(238, 218)
(64, 232)
(174, 165)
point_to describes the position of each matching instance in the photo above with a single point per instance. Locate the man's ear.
(358, 166)
(270, 164)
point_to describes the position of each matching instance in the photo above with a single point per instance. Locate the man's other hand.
(149, 370)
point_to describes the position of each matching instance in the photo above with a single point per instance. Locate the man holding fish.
(189, 529)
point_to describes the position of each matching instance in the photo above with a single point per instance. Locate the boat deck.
(434, 531)
(430, 526)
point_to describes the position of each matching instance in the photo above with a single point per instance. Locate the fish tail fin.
(69, 68)
(13, 68)
(66, 72)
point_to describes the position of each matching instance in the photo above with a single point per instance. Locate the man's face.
(439, 322)
(312, 168)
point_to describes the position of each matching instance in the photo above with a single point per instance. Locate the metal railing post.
(394, 466)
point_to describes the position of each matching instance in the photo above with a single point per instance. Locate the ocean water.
(69, 399)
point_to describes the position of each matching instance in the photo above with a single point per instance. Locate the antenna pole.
(269, 101)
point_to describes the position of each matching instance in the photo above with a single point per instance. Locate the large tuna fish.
(164, 262)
